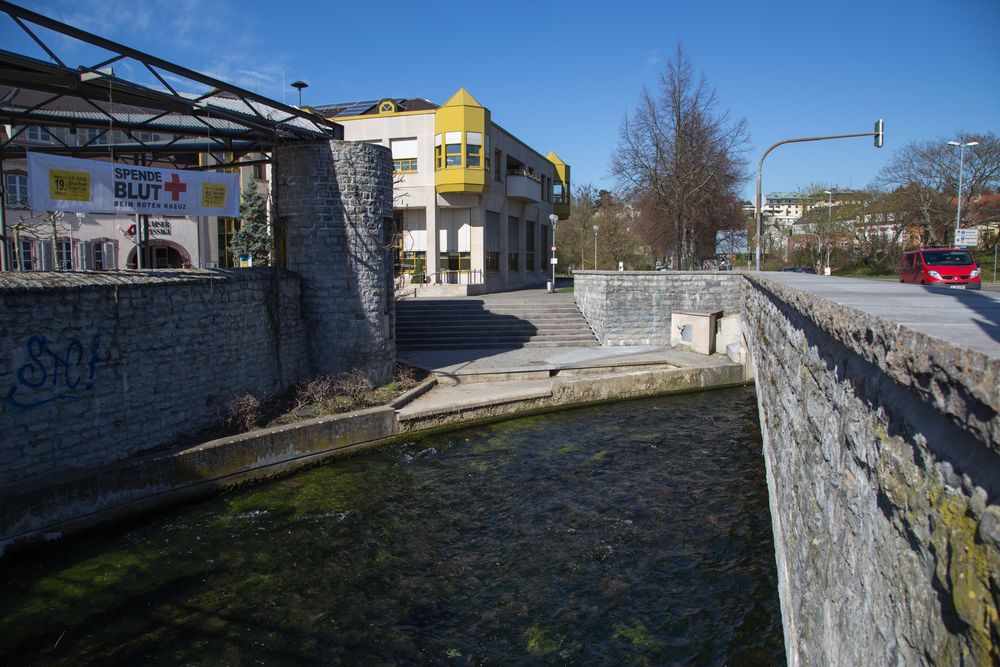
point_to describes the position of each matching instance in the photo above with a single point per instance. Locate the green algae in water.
(541, 642)
(484, 545)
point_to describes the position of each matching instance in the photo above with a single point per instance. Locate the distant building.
(472, 201)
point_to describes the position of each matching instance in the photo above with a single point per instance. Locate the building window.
(148, 137)
(99, 263)
(259, 172)
(93, 135)
(64, 256)
(412, 262)
(36, 133)
(473, 149)
(23, 260)
(437, 151)
(497, 161)
(453, 149)
(454, 265)
(557, 192)
(513, 244)
(404, 155)
(17, 191)
(491, 241)
(227, 228)
(529, 244)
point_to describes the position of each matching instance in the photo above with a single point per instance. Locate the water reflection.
(632, 533)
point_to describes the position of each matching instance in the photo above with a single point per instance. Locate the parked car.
(951, 267)
(798, 269)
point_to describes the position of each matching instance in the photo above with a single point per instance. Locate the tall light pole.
(299, 85)
(829, 226)
(553, 218)
(879, 135)
(595, 246)
(961, 163)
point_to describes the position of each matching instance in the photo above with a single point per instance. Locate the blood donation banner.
(57, 183)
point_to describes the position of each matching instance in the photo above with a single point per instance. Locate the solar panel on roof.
(358, 108)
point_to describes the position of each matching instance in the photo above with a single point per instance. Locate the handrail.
(442, 277)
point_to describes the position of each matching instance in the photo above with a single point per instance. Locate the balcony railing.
(523, 186)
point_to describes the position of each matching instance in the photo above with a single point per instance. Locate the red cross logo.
(175, 187)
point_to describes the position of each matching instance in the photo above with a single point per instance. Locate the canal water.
(629, 533)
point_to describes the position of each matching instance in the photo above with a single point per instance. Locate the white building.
(472, 201)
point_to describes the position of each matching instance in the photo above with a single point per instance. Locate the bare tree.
(922, 179)
(38, 226)
(677, 157)
(574, 235)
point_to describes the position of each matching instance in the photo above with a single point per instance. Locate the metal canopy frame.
(224, 118)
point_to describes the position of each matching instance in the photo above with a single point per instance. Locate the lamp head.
(553, 218)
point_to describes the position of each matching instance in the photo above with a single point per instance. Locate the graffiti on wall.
(54, 372)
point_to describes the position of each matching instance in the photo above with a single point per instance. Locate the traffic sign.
(967, 237)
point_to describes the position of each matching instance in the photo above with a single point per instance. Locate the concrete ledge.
(562, 392)
(38, 513)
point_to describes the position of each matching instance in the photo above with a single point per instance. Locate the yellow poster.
(213, 195)
(69, 185)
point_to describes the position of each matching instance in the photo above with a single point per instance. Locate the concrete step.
(507, 322)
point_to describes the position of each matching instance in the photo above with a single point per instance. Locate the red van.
(951, 267)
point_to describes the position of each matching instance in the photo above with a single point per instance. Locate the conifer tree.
(253, 237)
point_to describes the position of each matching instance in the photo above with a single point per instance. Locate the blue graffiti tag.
(51, 375)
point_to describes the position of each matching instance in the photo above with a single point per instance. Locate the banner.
(57, 183)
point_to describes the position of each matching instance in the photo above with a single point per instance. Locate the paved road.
(968, 318)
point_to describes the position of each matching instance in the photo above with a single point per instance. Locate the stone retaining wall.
(95, 367)
(883, 466)
(634, 307)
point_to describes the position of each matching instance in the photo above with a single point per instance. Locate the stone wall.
(95, 367)
(335, 206)
(883, 465)
(634, 307)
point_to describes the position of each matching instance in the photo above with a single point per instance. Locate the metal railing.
(444, 277)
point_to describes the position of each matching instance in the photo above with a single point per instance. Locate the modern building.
(472, 202)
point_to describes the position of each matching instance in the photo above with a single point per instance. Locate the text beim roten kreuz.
(57, 183)
(136, 188)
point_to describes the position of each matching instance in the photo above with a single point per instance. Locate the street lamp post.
(829, 225)
(595, 246)
(961, 163)
(553, 218)
(299, 85)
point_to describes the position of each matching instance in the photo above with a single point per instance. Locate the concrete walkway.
(966, 318)
(480, 378)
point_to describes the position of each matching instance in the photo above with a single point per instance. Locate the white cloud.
(653, 58)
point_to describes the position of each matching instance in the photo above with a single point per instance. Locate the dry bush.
(317, 391)
(404, 376)
(243, 413)
(354, 386)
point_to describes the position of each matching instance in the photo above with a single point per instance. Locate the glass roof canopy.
(51, 94)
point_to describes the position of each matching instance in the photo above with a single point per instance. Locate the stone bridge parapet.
(880, 410)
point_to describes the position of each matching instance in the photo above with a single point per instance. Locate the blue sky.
(562, 75)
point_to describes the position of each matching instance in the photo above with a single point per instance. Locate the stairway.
(509, 320)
